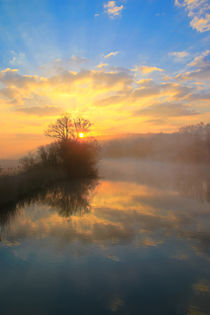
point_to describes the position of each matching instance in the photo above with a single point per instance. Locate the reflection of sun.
(81, 135)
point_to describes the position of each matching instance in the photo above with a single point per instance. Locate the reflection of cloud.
(122, 213)
(116, 304)
(114, 258)
(6, 243)
(202, 287)
(199, 299)
(147, 242)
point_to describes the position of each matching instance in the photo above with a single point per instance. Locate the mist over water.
(135, 241)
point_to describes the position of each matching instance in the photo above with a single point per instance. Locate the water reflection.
(136, 243)
(189, 180)
(67, 198)
(146, 211)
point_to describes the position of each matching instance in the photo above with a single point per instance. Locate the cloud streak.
(146, 69)
(111, 54)
(179, 54)
(40, 111)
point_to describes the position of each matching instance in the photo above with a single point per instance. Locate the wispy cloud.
(77, 60)
(146, 69)
(201, 61)
(167, 110)
(40, 111)
(112, 9)
(59, 65)
(113, 53)
(179, 54)
(102, 65)
(201, 69)
(199, 13)
(17, 59)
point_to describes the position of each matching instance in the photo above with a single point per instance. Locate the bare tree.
(81, 125)
(67, 128)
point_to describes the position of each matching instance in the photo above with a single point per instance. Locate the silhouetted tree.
(67, 127)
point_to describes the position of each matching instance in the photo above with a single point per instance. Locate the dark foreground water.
(138, 242)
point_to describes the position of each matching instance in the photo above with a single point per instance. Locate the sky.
(129, 66)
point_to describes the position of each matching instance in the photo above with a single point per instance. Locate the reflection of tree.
(68, 198)
(194, 182)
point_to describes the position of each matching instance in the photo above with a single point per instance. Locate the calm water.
(136, 242)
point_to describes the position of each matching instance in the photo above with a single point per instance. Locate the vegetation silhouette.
(76, 156)
(59, 173)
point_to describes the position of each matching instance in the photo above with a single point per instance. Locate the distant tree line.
(190, 144)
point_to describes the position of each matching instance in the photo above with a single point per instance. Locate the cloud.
(179, 54)
(168, 91)
(34, 91)
(113, 53)
(11, 78)
(77, 60)
(60, 65)
(18, 59)
(197, 75)
(40, 111)
(144, 82)
(8, 70)
(201, 61)
(199, 13)
(201, 71)
(146, 69)
(112, 9)
(167, 110)
(106, 96)
(111, 100)
(146, 92)
(102, 65)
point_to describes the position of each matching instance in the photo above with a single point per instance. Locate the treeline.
(189, 144)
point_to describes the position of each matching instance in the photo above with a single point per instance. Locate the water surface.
(136, 242)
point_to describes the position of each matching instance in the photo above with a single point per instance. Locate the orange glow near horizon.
(81, 135)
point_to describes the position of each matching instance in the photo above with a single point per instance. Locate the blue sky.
(145, 31)
(143, 64)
